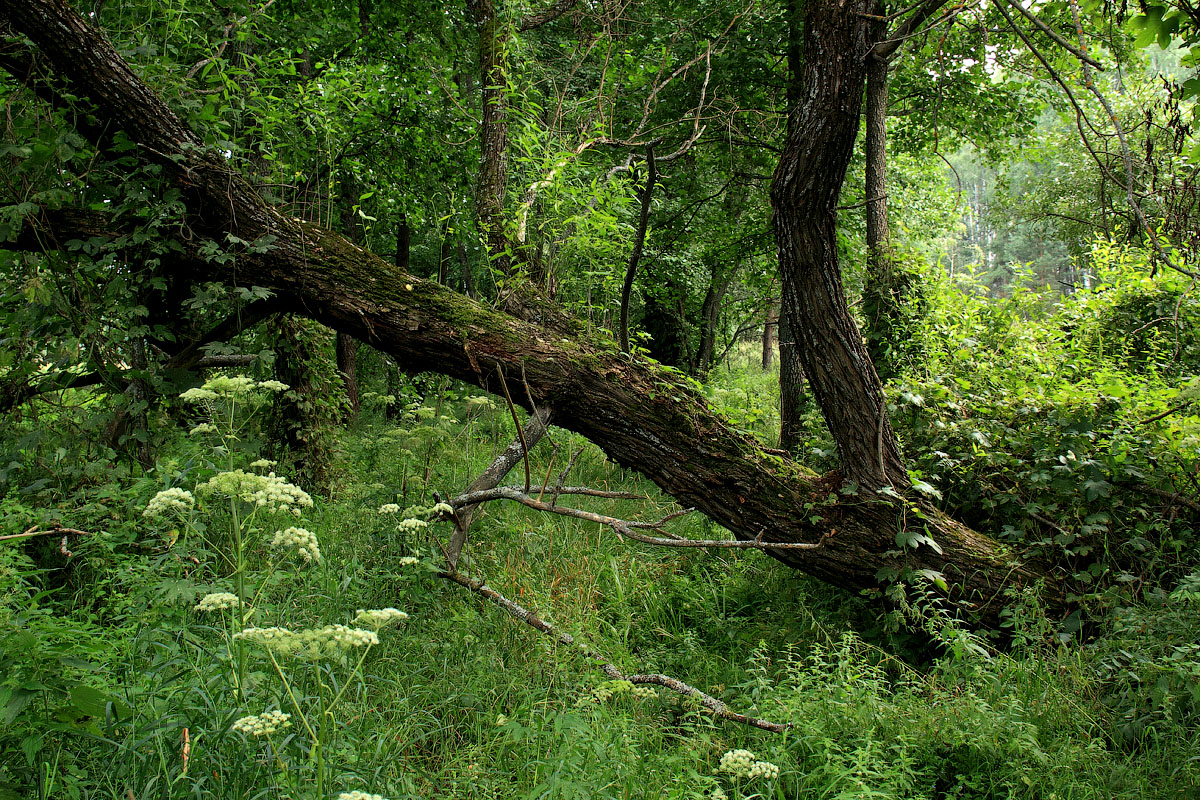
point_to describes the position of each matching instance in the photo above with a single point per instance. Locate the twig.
(715, 706)
(491, 477)
(1167, 413)
(520, 431)
(53, 531)
(1059, 40)
(626, 528)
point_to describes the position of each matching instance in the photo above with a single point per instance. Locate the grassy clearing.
(463, 701)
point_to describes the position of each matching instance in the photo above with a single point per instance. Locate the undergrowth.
(114, 685)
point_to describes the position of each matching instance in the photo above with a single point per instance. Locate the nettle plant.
(251, 519)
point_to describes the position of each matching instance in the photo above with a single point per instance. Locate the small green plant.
(313, 668)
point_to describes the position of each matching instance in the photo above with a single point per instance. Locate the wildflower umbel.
(379, 617)
(357, 795)
(412, 524)
(217, 601)
(304, 541)
(312, 644)
(744, 764)
(265, 491)
(264, 724)
(170, 500)
(389, 508)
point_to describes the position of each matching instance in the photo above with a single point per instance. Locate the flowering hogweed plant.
(304, 541)
(380, 617)
(263, 724)
(217, 601)
(170, 501)
(331, 641)
(744, 764)
(269, 492)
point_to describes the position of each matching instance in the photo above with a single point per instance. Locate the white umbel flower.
(217, 601)
(380, 617)
(263, 724)
(744, 764)
(170, 501)
(305, 542)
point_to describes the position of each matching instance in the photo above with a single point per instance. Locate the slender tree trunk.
(885, 292)
(639, 241)
(346, 347)
(403, 242)
(791, 386)
(710, 313)
(493, 134)
(791, 372)
(770, 334)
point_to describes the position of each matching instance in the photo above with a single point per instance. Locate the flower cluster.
(608, 690)
(312, 644)
(203, 427)
(408, 561)
(644, 692)
(217, 601)
(379, 617)
(443, 508)
(264, 724)
(412, 524)
(719, 794)
(357, 795)
(262, 463)
(265, 491)
(303, 540)
(389, 508)
(744, 764)
(228, 386)
(169, 500)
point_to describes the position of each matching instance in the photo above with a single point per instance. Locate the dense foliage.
(178, 619)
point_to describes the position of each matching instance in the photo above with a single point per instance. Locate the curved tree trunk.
(670, 436)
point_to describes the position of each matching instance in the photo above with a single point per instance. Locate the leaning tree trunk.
(668, 434)
(804, 195)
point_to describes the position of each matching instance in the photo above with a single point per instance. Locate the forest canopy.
(901, 298)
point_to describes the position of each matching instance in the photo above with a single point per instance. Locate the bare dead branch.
(1059, 40)
(625, 528)
(491, 477)
(712, 704)
(54, 530)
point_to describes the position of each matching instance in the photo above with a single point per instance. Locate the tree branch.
(712, 704)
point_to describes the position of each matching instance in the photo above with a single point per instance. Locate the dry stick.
(512, 409)
(1167, 413)
(715, 706)
(54, 531)
(626, 528)
(491, 477)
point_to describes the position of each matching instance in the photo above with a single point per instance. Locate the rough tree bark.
(770, 334)
(619, 403)
(493, 131)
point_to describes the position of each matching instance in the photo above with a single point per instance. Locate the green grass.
(466, 702)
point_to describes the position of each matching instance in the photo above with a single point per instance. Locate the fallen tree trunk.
(641, 415)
